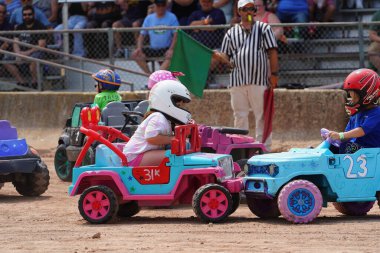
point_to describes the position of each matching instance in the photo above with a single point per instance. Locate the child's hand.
(334, 135)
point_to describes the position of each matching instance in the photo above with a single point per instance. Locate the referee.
(246, 48)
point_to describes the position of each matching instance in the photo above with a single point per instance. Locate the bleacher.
(330, 57)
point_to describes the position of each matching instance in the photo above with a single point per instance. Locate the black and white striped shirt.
(248, 53)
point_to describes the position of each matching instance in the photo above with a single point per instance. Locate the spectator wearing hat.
(161, 41)
(246, 48)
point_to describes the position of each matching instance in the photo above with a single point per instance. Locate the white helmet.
(164, 97)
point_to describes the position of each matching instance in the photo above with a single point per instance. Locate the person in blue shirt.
(17, 18)
(208, 15)
(363, 129)
(161, 41)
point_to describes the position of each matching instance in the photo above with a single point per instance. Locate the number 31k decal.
(363, 162)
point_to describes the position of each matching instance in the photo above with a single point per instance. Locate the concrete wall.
(299, 114)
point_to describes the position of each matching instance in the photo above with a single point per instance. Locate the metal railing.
(312, 54)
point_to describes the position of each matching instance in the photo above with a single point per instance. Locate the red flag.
(268, 113)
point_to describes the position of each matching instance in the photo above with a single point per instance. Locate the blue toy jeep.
(21, 164)
(296, 184)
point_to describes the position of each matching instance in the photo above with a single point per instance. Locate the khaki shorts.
(374, 47)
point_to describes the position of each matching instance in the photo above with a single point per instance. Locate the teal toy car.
(296, 184)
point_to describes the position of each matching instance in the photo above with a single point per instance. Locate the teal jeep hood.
(293, 155)
(202, 159)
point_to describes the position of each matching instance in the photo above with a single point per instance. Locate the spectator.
(50, 8)
(29, 23)
(226, 6)
(248, 45)
(208, 15)
(182, 9)
(133, 15)
(326, 7)
(17, 18)
(161, 41)
(4, 26)
(269, 18)
(12, 5)
(102, 14)
(77, 20)
(374, 48)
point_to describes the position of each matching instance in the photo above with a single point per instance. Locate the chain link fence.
(311, 54)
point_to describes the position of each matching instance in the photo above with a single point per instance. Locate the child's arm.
(354, 133)
(160, 140)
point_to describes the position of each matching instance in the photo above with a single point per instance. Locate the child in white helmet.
(146, 146)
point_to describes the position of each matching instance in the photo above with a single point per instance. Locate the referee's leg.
(256, 101)
(240, 106)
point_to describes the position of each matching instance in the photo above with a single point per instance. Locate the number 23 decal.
(363, 162)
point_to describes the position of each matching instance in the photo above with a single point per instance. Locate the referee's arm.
(222, 57)
(273, 61)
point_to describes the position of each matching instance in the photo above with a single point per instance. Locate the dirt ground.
(52, 223)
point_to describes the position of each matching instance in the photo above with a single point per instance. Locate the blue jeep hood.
(292, 155)
(202, 159)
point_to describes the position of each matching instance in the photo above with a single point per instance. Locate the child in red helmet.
(363, 129)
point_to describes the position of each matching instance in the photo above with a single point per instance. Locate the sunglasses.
(245, 9)
(27, 14)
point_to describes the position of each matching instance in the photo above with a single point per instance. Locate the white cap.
(243, 3)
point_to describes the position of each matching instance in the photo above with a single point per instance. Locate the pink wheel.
(98, 204)
(212, 203)
(300, 201)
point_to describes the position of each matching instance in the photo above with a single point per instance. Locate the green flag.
(193, 59)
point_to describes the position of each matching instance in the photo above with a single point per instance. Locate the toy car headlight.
(227, 164)
(270, 169)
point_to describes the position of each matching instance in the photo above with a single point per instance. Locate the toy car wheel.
(63, 167)
(98, 204)
(212, 203)
(128, 209)
(300, 201)
(33, 184)
(235, 202)
(263, 208)
(354, 208)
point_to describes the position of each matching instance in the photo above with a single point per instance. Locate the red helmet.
(366, 83)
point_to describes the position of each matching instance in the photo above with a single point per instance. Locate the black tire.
(128, 209)
(33, 184)
(235, 202)
(264, 208)
(110, 210)
(63, 167)
(243, 166)
(354, 208)
(223, 211)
